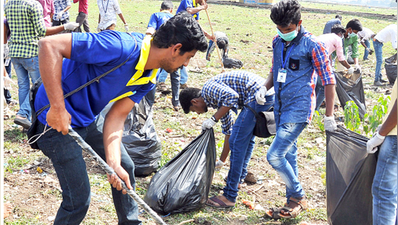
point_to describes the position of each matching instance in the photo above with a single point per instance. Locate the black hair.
(354, 24)
(181, 28)
(186, 96)
(286, 12)
(337, 29)
(221, 43)
(166, 5)
(338, 17)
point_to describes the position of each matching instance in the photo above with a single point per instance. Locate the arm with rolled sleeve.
(320, 61)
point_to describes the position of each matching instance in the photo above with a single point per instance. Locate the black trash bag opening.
(351, 90)
(183, 184)
(349, 177)
(139, 138)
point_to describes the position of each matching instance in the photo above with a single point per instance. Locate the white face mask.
(352, 34)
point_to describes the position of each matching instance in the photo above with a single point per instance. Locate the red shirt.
(83, 5)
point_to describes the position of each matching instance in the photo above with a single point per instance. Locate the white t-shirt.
(365, 34)
(388, 34)
(108, 10)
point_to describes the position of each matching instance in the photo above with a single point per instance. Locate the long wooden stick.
(215, 42)
(110, 171)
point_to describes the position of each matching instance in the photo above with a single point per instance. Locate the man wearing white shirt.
(387, 34)
(107, 15)
(364, 36)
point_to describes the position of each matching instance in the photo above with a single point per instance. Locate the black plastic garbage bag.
(391, 68)
(232, 63)
(140, 138)
(349, 176)
(391, 71)
(351, 89)
(183, 184)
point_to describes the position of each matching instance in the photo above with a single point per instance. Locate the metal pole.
(110, 171)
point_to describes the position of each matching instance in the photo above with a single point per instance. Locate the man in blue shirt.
(156, 20)
(331, 23)
(298, 59)
(87, 56)
(227, 93)
(193, 7)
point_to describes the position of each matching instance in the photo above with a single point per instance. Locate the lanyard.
(287, 56)
(107, 3)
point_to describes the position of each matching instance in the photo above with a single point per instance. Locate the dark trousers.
(82, 20)
(60, 22)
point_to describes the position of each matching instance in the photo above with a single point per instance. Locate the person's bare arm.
(52, 50)
(54, 30)
(67, 8)
(269, 83)
(226, 149)
(221, 112)
(113, 132)
(99, 18)
(329, 97)
(5, 34)
(122, 18)
(390, 122)
(345, 64)
(195, 10)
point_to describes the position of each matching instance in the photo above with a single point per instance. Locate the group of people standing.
(128, 65)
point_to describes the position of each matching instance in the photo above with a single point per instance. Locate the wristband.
(214, 119)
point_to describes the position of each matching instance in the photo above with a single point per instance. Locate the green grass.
(250, 33)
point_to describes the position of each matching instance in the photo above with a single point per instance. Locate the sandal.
(273, 213)
(294, 208)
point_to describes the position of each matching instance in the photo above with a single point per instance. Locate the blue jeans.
(183, 78)
(175, 87)
(366, 53)
(319, 93)
(241, 144)
(282, 155)
(384, 188)
(25, 68)
(184, 75)
(66, 156)
(378, 46)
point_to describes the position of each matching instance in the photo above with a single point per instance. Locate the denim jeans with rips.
(66, 156)
(282, 155)
(27, 69)
(384, 187)
(241, 144)
(378, 47)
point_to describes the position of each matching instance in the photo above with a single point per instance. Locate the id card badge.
(281, 75)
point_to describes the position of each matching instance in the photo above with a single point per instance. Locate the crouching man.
(135, 59)
(227, 93)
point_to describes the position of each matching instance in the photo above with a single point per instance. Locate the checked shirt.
(60, 5)
(25, 19)
(231, 89)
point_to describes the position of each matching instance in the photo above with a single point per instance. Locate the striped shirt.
(295, 98)
(231, 89)
(25, 19)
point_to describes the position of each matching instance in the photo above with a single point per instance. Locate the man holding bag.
(228, 92)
